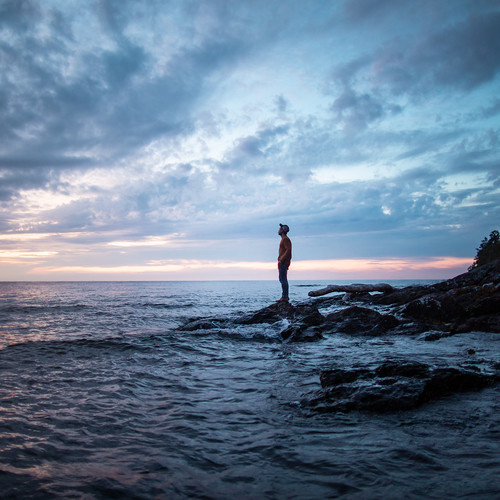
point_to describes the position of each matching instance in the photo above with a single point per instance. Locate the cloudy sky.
(168, 139)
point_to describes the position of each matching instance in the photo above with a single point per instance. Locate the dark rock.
(407, 369)
(444, 381)
(357, 320)
(304, 318)
(327, 301)
(402, 296)
(309, 315)
(431, 308)
(270, 314)
(306, 313)
(304, 328)
(304, 321)
(203, 324)
(487, 305)
(301, 333)
(481, 324)
(435, 335)
(335, 377)
(394, 386)
(468, 302)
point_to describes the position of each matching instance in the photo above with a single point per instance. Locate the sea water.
(103, 396)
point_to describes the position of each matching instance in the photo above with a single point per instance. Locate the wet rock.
(270, 314)
(435, 335)
(394, 386)
(304, 328)
(468, 302)
(357, 320)
(203, 324)
(481, 324)
(304, 320)
(335, 377)
(402, 296)
(405, 369)
(444, 381)
(432, 308)
(309, 315)
(301, 333)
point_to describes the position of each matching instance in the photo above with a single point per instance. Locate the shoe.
(283, 299)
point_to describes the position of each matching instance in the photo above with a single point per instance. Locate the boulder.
(433, 308)
(307, 313)
(357, 320)
(394, 386)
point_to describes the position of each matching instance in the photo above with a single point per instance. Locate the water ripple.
(101, 397)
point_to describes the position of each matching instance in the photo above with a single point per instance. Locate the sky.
(166, 140)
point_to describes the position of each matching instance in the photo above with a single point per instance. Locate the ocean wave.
(163, 305)
(29, 309)
(71, 345)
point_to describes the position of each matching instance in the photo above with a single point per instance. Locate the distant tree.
(488, 250)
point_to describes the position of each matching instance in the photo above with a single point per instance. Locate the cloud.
(357, 111)
(369, 126)
(66, 105)
(464, 55)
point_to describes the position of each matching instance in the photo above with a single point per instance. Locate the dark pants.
(283, 279)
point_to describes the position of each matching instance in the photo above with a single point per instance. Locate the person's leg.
(283, 280)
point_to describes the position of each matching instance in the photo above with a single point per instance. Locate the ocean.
(103, 396)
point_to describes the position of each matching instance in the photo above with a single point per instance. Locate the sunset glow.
(319, 269)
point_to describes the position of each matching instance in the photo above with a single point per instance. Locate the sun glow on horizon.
(305, 269)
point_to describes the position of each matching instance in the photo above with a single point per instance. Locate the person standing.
(284, 258)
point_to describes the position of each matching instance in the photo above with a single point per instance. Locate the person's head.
(283, 229)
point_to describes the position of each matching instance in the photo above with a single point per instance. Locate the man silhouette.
(284, 258)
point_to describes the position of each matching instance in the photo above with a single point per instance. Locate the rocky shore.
(469, 302)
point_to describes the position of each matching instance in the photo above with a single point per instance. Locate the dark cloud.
(463, 55)
(357, 111)
(251, 154)
(461, 51)
(11, 181)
